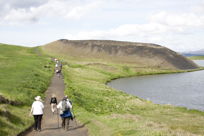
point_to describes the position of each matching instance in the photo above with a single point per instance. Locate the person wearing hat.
(37, 111)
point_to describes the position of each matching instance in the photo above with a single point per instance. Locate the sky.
(175, 24)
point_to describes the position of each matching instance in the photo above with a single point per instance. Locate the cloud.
(31, 11)
(130, 32)
(20, 15)
(175, 24)
(162, 28)
(178, 20)
(21, 3)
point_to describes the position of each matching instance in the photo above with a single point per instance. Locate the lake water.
(182, 89)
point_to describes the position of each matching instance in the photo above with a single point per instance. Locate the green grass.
(110, 112)
(131, 115)
(23, 75)
(197, 57)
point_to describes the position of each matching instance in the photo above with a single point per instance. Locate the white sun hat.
(38, 98)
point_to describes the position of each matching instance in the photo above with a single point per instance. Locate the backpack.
(64, 106)
(53, 100)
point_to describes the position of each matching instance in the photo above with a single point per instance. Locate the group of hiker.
(63, 108)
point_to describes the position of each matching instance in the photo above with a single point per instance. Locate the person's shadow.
(70, 127)
(79, 126)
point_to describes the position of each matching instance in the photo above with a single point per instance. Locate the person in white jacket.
(37, 112)
(64, 106)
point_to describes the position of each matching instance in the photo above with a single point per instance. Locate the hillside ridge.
(143, 54)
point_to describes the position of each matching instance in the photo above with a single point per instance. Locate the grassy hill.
(24, 73)
(139, 54)
(109, 112)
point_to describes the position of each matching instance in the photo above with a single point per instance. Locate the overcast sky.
(176, 24)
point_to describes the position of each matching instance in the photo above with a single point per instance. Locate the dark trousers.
(38, 119)
(65, 122)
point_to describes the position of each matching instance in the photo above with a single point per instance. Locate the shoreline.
(175, 72)
(156, 73)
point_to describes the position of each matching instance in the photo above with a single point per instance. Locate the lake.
(181, 89)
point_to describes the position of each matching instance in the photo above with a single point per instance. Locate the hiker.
(64, 106)
(71, 110)
(58, 72)
(37, 111)
(56, 65)
(53, 103)
(60, 65)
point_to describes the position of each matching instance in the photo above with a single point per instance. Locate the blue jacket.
(66, 114)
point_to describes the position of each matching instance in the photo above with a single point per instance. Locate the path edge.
(26, 131)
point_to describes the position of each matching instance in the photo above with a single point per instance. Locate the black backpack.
(53, 100)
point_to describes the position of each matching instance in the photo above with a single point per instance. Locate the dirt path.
(50, 121)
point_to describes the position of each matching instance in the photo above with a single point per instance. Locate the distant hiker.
(60, 65)
(55, 60)
(37, 111)
(53, 103)
(58, 72)
(64, 106)
(56, 65)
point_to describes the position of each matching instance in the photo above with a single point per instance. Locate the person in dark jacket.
(58, 72)
(53, 103)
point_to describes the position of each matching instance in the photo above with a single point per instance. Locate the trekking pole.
(74, 116)
(58, 117)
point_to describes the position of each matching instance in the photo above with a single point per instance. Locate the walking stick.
(58, 117)
(74, 116)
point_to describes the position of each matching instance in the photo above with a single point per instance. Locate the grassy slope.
(109, 112)
(22, 76)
